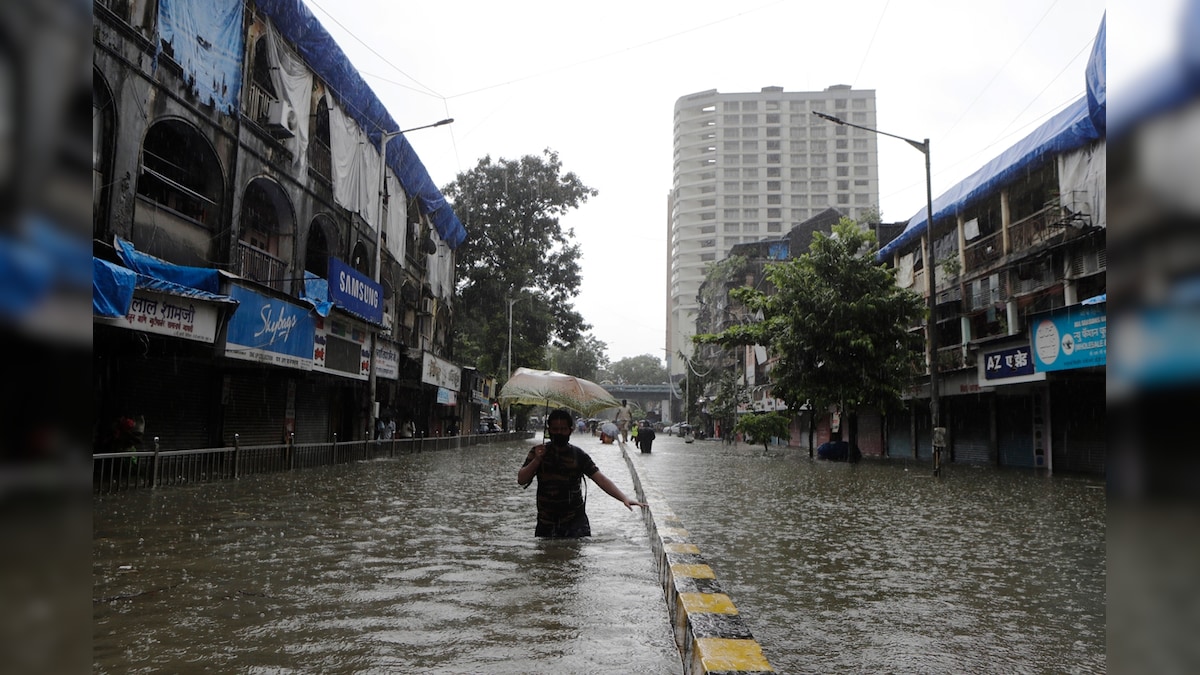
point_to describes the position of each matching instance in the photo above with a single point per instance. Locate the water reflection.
(883, 568)
(426, 563)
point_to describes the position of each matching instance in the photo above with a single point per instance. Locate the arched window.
(319, 155)
(262, 90)
(103, 123)
(360, 259)
(317, 250)
(265, 234)
(180, 172)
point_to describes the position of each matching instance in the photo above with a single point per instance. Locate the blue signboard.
(269, 330)
(1007, 363)
(354, 292)
(1071, 337)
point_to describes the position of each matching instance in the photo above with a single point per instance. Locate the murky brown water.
(878, 567)
(426, 563)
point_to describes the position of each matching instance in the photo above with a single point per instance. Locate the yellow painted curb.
(717, 654)
(693, 571)
(707, 603)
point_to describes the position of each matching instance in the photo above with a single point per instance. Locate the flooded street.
(425, 563)
(879, 567)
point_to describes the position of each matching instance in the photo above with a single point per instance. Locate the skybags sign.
(354, 292)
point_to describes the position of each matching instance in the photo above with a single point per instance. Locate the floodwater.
(880, 567)
(427, 563)
(424, 563)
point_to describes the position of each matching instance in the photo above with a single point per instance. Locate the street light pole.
(931, 299)
(508, 408)
(384, 137)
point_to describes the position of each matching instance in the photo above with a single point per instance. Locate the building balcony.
(258, 265)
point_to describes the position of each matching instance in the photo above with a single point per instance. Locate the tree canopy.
(836, 323)
(762, 428)
(643, 369)
(517, 252)
(584, 358)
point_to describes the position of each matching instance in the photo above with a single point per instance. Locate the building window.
(749, 159)
(820, 172)
(862, 170)
(749, 146)
(708, 257)
(842, 143)
(732, 173)
(799, 131)
(773, 132)
(796, 106)
(839, 103)
(820, 200)
(774, 199)
(730, 146)
(750, 133)
(774, 186)
(708, 229)
(843, 157)
(820, 186)
(798, 146)
(748, 106)
(730, 214)
(708, 243)
(750, 200)
(799, 200)
(750, 173)
(773, 158)
(843, 171)
(730, 106)
(708, 216)
(843, 199)
(774, 172)
(773, 145)
(774, 227)
(774, 213)
(750, 186)
(732, 200)
(860, 144)
(749, 214)
(799, 172)
(749, 119)
(860, 117)
(799, 186)
(860, 158)
(731, 227)
(862, 200)
(816, 132)
(843, 185)
(751, 228)
(861, 183)
(798, 158)
(773, 118)
(817, 146)
(730, 132)
(731, 186)
(799, 214)
(858, 103)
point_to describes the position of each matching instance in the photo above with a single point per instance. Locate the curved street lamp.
(384, 137)
(931, 301)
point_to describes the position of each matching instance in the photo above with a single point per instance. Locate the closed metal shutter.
(312, 412)
(1078, 430)
(1014, 430)
(254, 402)
(175, 395)
(969, 428)
(870, 432)
(899, 436)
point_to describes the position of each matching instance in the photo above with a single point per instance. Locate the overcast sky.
(597, 82)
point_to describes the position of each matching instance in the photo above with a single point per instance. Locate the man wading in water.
(560, 468)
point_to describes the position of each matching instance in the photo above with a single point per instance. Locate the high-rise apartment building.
(749, 166)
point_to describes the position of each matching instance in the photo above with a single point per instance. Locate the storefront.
(152, 343)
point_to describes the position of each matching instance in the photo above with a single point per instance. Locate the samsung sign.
(355, 293)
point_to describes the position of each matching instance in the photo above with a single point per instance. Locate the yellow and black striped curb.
(710, 633)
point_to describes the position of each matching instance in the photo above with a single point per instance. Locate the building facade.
(266, 270)
(750, 166)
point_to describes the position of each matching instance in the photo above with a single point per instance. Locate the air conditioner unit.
(281, 119)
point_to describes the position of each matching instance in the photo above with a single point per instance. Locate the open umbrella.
(556, 390)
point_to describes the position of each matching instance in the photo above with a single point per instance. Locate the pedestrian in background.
(624, 419)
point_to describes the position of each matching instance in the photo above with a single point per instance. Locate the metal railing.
(120, 471)
(255, 263)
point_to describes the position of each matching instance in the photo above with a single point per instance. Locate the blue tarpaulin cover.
(314, 44)
(206, 39)
(316, 293)
(1070, 129)
(113, 286)
(202, 278)
(1097, 87)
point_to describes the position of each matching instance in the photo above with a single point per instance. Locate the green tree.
(762, 428)
(583, 358)
(518, 252)
(644, 369)
(837, 323)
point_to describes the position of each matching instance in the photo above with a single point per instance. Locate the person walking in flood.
(624, 419)
(560, 468)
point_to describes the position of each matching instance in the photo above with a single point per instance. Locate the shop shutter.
(969, 428)
(870, 431)
(312, 412)
(175, 395)
(1014, 430)
(254, 404)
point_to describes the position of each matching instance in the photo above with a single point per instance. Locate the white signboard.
(387, 360)
(172, 315)
(440, 372)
